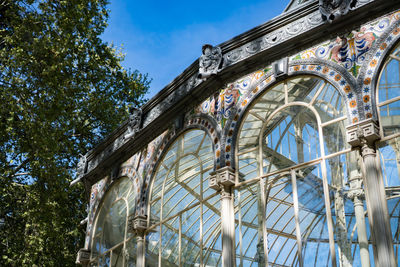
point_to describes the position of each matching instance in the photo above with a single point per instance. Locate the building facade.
(280, 147)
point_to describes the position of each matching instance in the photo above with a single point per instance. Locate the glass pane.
(212, 246)
(335, 137)
(191, 247)
(291, 137)
(389, 153)
(248, 164)
(394, 212)
(111, 221)
(304, 88)
(281, 226)
(170, 241)
(259, 112)
(249, 244)
(312, 217)
(389, 84)
(105, 260)
(330, 104)
(349, 208)
(152, 247)
(130, 255)
(390, 118)
(114, 225)
(189, 220)
(117, 257)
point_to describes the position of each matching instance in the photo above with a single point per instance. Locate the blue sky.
(162, 38)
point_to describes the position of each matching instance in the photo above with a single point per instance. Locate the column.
(344, 247)
(356, 194)
(138, 225)
(364, 135)
(223, 180)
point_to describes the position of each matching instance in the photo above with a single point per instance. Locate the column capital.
(356, 192)
(361, 132)
(137, 224)
(83, 256)
(224, 177)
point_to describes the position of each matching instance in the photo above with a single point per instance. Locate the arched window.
(112, 245)
(388, 102)
(292, 206)
(388, 96)
(184, 211)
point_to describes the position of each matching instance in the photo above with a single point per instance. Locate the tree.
(62, 89)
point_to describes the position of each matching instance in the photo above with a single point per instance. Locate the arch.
(336, 75)
(195, 121)
(180, 203)
(111, 197)
(97, 192)
(377, 55)
(262, 160)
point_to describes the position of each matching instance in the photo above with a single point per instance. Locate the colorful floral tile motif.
(96, 194)
(336, 79)
(242, 105)
(221, 104)
(350, 50)
(203, 122)
(374, 66)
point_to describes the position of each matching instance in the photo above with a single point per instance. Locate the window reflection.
(185, 212)
(111, 244)
(284, 142)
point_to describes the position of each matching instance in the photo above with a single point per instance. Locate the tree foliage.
(62, 89)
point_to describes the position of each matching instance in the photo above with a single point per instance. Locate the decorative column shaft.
(356, 193)
(137, 226)
(223, 181)
(363, 135)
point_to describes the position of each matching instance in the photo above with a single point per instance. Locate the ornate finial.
(135, 119)
(333, 9)
(210, 62)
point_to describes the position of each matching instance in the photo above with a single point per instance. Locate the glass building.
(280, 147)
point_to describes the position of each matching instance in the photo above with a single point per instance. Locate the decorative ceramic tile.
(368, 83)
(221, 104)
(350, 50)
(96, 194)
